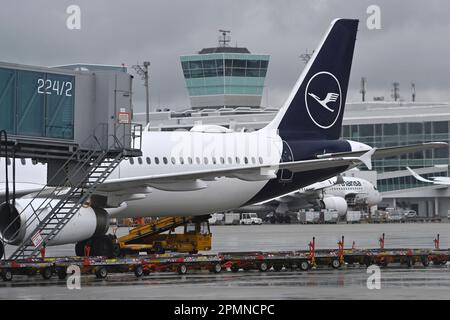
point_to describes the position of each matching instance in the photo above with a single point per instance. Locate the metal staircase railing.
(59, 215)
(70, 196)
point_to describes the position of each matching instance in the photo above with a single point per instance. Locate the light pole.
(142, 70)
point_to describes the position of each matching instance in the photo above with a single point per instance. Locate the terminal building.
(379, 124)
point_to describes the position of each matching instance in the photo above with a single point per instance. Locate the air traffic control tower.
(225, 76)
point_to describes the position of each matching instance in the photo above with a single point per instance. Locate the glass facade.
(397, 134)
(36, 103)
(224, 73)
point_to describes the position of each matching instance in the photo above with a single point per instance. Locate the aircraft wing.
(21, 189)
(389, 151)
(437, 180)
(196, 180)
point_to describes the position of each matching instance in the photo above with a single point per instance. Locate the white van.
(250, 218)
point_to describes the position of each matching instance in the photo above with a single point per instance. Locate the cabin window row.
(22, 161)
(197, 160)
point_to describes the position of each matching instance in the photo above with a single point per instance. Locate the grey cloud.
(412, 45)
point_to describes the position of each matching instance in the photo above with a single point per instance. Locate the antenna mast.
(224, 39)
(396, 91)
(413, 91)
(363, 89)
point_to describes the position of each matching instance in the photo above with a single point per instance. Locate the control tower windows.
(215, 68)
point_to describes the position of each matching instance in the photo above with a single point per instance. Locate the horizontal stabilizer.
(389, 151)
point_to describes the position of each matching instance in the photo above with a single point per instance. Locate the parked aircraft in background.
(443, 181)
(337, 193)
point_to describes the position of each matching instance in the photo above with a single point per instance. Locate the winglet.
(339, 179)
(417, 176)
(366, 158)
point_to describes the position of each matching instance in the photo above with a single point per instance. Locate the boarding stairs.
(91, 169)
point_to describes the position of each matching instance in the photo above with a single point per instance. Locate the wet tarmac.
(348, 283)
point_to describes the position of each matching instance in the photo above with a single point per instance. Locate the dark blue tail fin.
(315, 107)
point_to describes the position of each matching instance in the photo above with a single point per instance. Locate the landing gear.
(100, 246)
(79, 248)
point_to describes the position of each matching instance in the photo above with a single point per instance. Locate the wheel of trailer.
(304, 265)
(439, 262)
(217, 268)
(182, 269)
(138, 271)
(31, 272)
(335, 264)
(277, 267)
(7, 275)
(62, 273)
(383, 263)
(46, 273)
(425, 261)
(234, 268)
(263, 267)
(101, 272)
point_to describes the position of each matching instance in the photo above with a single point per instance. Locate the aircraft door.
(286, 156)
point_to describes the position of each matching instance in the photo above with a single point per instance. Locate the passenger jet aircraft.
(211, 168)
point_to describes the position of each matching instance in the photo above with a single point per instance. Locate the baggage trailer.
(182, 263)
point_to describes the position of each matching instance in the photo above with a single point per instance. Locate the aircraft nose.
(378, 197)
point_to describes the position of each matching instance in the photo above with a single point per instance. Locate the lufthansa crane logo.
(323, 99)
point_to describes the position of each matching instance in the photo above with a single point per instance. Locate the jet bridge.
(77, 120)
(50, 113)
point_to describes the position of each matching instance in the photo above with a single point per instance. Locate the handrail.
(57, 190)
(72, 185)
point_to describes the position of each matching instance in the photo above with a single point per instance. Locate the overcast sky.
(413, 44)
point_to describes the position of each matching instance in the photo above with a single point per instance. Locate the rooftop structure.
(224, 76)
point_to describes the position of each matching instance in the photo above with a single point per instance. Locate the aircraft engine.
(337, 203)
(86, 223)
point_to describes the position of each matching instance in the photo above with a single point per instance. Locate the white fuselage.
(171, 152)
(181, 151)
(361, 189)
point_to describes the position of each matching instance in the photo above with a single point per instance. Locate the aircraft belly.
(223, 194)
